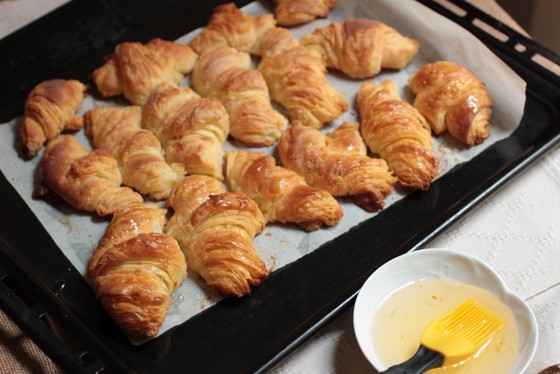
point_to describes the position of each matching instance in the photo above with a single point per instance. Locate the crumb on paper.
(272, 262)
(203, 302)
(65, 221)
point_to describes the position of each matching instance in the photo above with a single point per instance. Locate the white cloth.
(15, 14)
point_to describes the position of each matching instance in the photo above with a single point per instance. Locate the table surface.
(515, 231)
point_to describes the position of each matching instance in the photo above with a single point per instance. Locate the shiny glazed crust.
(452, 98)
(396, 131)
(282, 194)
(361, 47)
(86, 181)
(230, 27)
(225, 73)
(337, 163)
(50, 109)
(138, 70)
(215, 230)
(296, 79)
(296, 12)
(138, 151)
(136, 268)
(192, 129)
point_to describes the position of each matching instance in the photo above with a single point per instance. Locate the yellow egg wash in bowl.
(402, 318)
(400, 299)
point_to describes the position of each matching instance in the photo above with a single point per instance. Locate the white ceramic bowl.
(439, 263)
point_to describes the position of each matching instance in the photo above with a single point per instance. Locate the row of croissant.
(169, 146)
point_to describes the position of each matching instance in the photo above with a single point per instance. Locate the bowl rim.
(363, 305)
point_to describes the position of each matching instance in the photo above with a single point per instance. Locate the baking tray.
(45, 295)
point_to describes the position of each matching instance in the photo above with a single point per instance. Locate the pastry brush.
(452, 338)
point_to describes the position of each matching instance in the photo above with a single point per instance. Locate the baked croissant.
(452, 98)
(136, 268)
(192, 129)
(226, 74)
(395, 130)
(337, 163)
(50, 109)
(361, 47)
(137, 70)
(137, 151)
(282, 194)
(296, 12)
(296, 79)
(230, 27)
(86, 181)
(215, 230)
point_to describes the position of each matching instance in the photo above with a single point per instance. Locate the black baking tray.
(45, 295)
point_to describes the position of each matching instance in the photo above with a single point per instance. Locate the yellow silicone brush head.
(461, 333)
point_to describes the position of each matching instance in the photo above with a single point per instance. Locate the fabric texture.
(18, 353)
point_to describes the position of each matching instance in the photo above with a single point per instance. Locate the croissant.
(137, 151)
(86, 181)
(136, 268)
(452, 98)
(137, 70)
(230, 27)
(296, 79)
(296, 12)
(192, 129)
(215, 230)
(337, 163)
(281, 194)
(50, 109)
(396, 131)
(361, 47)
(226, 74)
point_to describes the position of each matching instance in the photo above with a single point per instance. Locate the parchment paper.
(77, 233)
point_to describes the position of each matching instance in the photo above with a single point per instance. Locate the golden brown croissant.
(296, 79)
(50, 109)
(226, 74)
(337, 163)
(137, 70)
(215, 230)
(136, 268)
(282, 194)
(452, 98)
(86, 181)
(192, 129)
(393, 129)
(137, 151)
(296, 12)
(230, 27)
(360, 47)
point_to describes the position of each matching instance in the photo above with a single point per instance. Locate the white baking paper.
(78, 233)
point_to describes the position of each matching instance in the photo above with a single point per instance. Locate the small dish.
(439, 263)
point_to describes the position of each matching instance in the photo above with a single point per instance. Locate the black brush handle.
(423, 360)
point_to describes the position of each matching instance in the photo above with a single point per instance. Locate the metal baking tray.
(45, 295)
